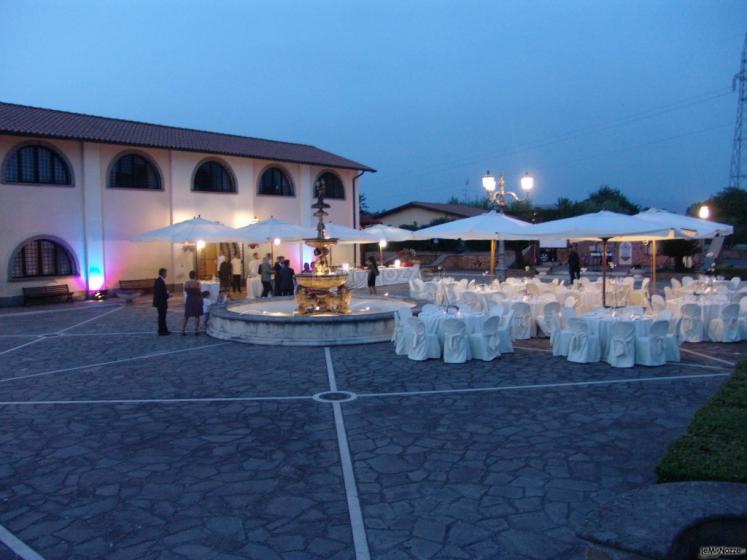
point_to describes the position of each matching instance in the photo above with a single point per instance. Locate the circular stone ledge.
(304, 330)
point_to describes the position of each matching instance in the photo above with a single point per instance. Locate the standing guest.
(306, 268)
(161, 301)
(265, 272)
(224, 273)
(236, 266)
(193, 302)
(253, 266)
(373, 272)
(285, 279)
(275, 270)
(220, 261)
(206, 303)
(574, 265)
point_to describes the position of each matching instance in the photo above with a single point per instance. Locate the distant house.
(420, 214)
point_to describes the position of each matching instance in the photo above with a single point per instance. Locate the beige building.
(74, 189)
(421, 214)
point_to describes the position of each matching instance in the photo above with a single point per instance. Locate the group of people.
(230, 272)
(197, 303)
(278, 279)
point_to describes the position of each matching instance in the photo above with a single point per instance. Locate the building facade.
(74, 189)
(421, 214)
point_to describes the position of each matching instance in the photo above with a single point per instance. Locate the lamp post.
(497, 198)
(703, 213)
(382, 246)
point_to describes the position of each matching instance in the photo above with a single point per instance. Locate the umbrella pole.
(653, 267)
(492, 257)
(604, 272)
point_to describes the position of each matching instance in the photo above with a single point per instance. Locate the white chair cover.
(495, 310)
(583, 347)
(545, 322)
(523, 322)
(621, 345)
(456, 342)
(688, 280)
(473, 301)
(485, 345)
(418, 349)
(504, 331)
(668, 293)
(560, 339)
(401, 334)
(565, 314)
(676, 287)
(672, 341)
(657, 303)
(743, 318)
(664, 315)
(725, 328)
(429, 308)
(691, 328)
(571, 301)
(651, 350)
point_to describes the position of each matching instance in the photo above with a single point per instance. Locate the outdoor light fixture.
(497, 197)
(276, 241)
(704, 212)
(200, 245)
(382, 245)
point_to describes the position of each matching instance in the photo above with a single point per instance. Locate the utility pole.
(738, 170)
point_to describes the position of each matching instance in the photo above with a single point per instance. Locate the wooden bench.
(47, 292)
(130, 289)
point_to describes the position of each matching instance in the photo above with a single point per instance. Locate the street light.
(498, 199)
(703, 213)
(382, 246)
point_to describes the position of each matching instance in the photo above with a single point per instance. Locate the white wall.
(98, 222)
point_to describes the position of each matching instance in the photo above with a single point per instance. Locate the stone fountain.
(322, 290)
(323, 312)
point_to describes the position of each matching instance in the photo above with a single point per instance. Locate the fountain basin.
(275, 322)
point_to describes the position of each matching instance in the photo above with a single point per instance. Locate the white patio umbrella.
(488, 226)
(686, 226)
(271, 229)
(189, 231)
(602, 226)
(347, 235)
(389, 233)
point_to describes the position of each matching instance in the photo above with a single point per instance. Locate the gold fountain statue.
(322, 290)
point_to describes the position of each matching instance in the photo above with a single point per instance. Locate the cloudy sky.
(631, 93)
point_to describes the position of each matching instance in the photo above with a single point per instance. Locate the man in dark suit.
(161, 301)
(574, 265)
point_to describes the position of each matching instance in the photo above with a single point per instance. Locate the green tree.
(608, 198)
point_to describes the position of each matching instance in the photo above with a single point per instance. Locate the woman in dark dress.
(193, 302)
(373, 272)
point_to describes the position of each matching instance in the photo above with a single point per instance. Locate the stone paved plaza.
(119, 444)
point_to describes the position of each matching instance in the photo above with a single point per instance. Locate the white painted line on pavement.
(540, 386)
(694, 353)
(89, 320)
(161, 401)
(18, 547)
(122, 360)
(22, 345)
(151, 333)
(68, 310)
(358, 528)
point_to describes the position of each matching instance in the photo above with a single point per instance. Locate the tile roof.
(458, 210)
(49, 123)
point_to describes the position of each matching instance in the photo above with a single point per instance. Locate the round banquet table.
(433, 321)
(600, 324)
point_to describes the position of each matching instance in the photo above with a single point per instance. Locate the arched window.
(42, 257)
(211, 176)
(332, 185)
(133, 171)
(36, 164)
(275, 182)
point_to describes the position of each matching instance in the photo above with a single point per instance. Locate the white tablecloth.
(433, 321)
(600, 324)
(207, 285)
(253, 286)
(387, 276)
